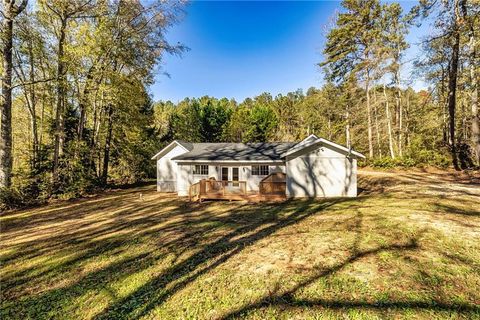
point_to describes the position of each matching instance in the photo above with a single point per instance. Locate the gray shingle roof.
(187, 145)
(263, 151)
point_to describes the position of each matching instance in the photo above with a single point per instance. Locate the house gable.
(319, 170)
(167, 169)
(326, 147)
(185, 146)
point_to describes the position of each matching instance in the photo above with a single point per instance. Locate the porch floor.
(251, 197)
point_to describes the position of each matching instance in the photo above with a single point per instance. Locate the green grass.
(407, 251)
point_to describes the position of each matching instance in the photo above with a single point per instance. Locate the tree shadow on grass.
(191, 237)
(286, 299)
(155, 292)
(79, 245)
(444, 184)
(176, 227)
(456, 210)
(80, 239)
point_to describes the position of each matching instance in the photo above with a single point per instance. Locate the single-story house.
(314, 167)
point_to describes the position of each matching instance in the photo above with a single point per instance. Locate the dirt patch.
(424, 181)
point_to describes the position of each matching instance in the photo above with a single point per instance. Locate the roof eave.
(155, 157)
(358, 154)
(298, 148)
(229, 160)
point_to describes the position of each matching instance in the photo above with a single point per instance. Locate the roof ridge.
(239, 142)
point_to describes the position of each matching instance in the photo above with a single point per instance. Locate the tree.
(286, 110)
(239, 121)
(262, 124)
(10, 11)
(351, 48)
(59, 14)
(214, 116)
(138, 42)
(27, 57)
(471, 18)
(449, 24)
(389, 123)
(395, 27)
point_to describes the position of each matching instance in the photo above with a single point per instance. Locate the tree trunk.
(400, 125)
(42, 113)
(329, 128)
(389, 123)
(347, 127)
(30, 99)
(59, 117)
(6, 103)
(82, 105)
(407, 119)
(475, 117)
(452, 90)
(400, 113)
(474, 96)
(369, 117)
(97, 119)
(33, 126)
(33, 101)
(443, 103)
(108, 140)
(377, 131)
(464, 133)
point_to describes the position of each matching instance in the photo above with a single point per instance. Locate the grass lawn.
(408, 247)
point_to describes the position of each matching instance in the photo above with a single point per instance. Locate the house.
(314, 167)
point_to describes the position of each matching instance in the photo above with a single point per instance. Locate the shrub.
(430, 158)
(418, 159)
(11, 198)
(383, 162)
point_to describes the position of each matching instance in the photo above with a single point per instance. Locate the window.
(260, 170)
(200, 169)
(225, 173)
(235, 176)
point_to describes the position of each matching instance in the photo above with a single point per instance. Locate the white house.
(314, 167)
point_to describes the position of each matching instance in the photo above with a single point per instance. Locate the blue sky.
(241, 49)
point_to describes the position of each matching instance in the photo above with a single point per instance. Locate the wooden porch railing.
(236, 190)
(213, 189)
(272, 187)
(194, 192)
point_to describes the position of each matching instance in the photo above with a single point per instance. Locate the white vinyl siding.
(321, 172)
(167, 170)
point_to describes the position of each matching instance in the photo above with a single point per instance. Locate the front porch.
(210, 189)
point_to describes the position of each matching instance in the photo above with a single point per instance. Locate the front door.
(235, 176)
(225, 174)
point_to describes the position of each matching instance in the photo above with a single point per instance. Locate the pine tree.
(395, 27)
(352, 46)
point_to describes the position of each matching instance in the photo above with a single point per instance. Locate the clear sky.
(241, 49)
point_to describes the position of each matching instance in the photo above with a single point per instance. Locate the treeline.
(333, 112)
(75, 106)
(367, 46)
(367, 103)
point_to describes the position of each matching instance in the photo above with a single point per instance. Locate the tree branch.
(33, 82)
